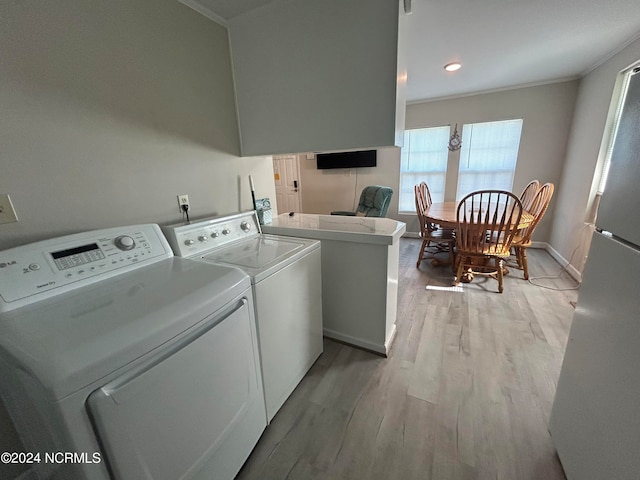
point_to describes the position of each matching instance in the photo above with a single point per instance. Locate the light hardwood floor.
(465, 394)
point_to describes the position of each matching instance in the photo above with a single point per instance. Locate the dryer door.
(194, 411)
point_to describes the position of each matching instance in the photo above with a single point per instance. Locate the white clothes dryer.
(287, 286)
(131, 363)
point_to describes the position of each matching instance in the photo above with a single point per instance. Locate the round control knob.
(189, 242)
(125, 242)
(226, 231)
(203, 238)
(245, 226)
(215, 235)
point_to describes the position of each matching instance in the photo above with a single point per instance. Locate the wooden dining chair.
(442, 239)
(522, 240)
(487, 222)
(529, 193)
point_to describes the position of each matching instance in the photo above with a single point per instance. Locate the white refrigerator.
(595, 420)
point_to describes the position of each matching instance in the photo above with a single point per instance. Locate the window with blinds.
(488, 156)
(423, 159)
(614, 128)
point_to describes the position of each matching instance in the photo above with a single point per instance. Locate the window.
(488, 156)
(486, 160)
(423, 159)
(614, 129)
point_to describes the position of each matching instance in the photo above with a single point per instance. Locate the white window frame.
(614, 128)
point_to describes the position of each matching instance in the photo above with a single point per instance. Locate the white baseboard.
(357, 342)
(389, 341)
(571, 270)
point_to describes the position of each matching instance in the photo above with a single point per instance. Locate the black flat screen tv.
(362, 158)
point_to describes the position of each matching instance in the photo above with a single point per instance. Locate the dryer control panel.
(203, 235)
(43, 269)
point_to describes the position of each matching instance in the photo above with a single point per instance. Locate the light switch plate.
(7, 212)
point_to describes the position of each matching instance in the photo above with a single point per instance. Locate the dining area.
(486, 233)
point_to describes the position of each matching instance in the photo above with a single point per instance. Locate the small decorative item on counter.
(263, 208)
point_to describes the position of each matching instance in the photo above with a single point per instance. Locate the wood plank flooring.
(465, 394)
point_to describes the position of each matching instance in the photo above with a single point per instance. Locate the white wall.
(110, 110)
(324, 191)
(585, 156)
(547, 111)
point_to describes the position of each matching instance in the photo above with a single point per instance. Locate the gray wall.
(547, 111)
(585, 155)
(110, 110)
(319, 75)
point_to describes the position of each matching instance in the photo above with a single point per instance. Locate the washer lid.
(75, 339)
(257, 252)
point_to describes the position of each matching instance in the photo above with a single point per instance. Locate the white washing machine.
(287, 286)
(120, 361)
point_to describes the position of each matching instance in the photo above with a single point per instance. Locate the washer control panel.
(40, 270)
(203, 235)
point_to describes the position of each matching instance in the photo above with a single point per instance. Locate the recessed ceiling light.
(452, 67)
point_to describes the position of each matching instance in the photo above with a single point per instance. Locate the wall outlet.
(183, 200)
(7, 212)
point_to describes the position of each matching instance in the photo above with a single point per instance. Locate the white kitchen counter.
(360, 257)
(382, 231)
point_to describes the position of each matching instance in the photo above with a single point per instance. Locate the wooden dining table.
(444, 214)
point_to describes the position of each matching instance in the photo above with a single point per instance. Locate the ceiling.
(502, 44)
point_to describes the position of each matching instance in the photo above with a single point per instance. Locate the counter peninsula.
(360, 257)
